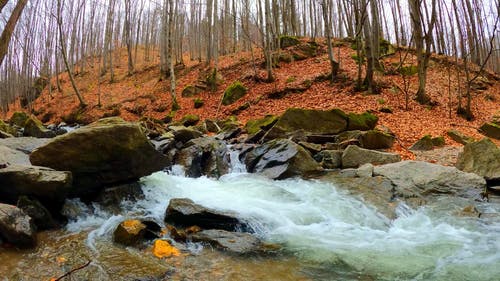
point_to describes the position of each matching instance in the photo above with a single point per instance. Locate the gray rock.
(16, 227)
(376, 139)
(329, 159)
(184, 212)
(279, 159)
(415, 177)
(235, 242)
(365, 171)
(354, 156)
(24, 144)
(107, 152)
(40, 182)
(13, 157)
(482, 158)
(204, 156)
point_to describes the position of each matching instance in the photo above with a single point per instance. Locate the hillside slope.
(142, 94)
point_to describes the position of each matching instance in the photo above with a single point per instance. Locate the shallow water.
(325, 233)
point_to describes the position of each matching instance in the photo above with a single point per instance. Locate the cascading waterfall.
(320, 224)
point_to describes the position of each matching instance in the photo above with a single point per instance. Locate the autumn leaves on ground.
(299, 83)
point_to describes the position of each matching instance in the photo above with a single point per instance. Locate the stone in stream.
(234, 242)
(129, 232)
(40, 215)
(354, 156)
(24, 144)
(482, 158)
(184, 212)
(10, 156)
(329, 159)
(204, 156)
(34, 128)
(281, 158)
(106, 152)
(16, 227)
(184, 134)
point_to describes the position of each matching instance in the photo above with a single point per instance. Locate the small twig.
(72, 271)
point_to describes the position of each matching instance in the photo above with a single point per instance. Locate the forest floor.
(144, 94)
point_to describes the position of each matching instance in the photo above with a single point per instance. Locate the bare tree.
(9, 27)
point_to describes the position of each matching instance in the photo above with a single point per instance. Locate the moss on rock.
(19, 118)
(363, 122)
(233, 93)
(190, 120)
(265, 123)
(288, 41)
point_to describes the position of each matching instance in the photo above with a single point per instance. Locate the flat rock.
(24, 144)
(235, 242)
(16, 227)
(40, 182)
(184, 212)
(13, 157)
(354, 156)
(415, 177)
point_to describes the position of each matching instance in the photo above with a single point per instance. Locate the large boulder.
(34, 128)
(106, 152)
(16, 227)
(354, 156)
(234, 242)
(482, 158)
(279, 159)
(417, 177)
(233, 93)
(204, 156)
(184, 212)
(43, 183)
(184, 134)
(311, 121)
(265, 123)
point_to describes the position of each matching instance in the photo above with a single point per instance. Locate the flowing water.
(325, 234)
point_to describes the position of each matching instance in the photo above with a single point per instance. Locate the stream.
(324, 233)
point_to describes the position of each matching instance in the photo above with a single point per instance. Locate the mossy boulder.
(460, 137)
(491, 130)
(288, 41)
(425, 143)
(104, 153)
(363, 122)
(438, 141)
(233, 93)
(190, 91)
(19, 118)
(375, 139)
(198, 103)
(310, 121)
(34, 128)
(190, 120)
(265, 123)
(482, 158)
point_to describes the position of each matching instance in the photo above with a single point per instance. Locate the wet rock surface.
(234, 242)
(16, 227)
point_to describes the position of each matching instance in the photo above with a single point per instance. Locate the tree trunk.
(9, 27)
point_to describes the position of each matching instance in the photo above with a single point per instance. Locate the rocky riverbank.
(103, 161)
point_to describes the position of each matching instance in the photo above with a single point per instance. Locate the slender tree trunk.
(9, 27)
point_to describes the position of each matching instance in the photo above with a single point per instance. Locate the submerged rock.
(482, 158)
(279, 159)
(235, 242)
(16, 227)
(354, 156)
(184, 212)
(106, 152)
